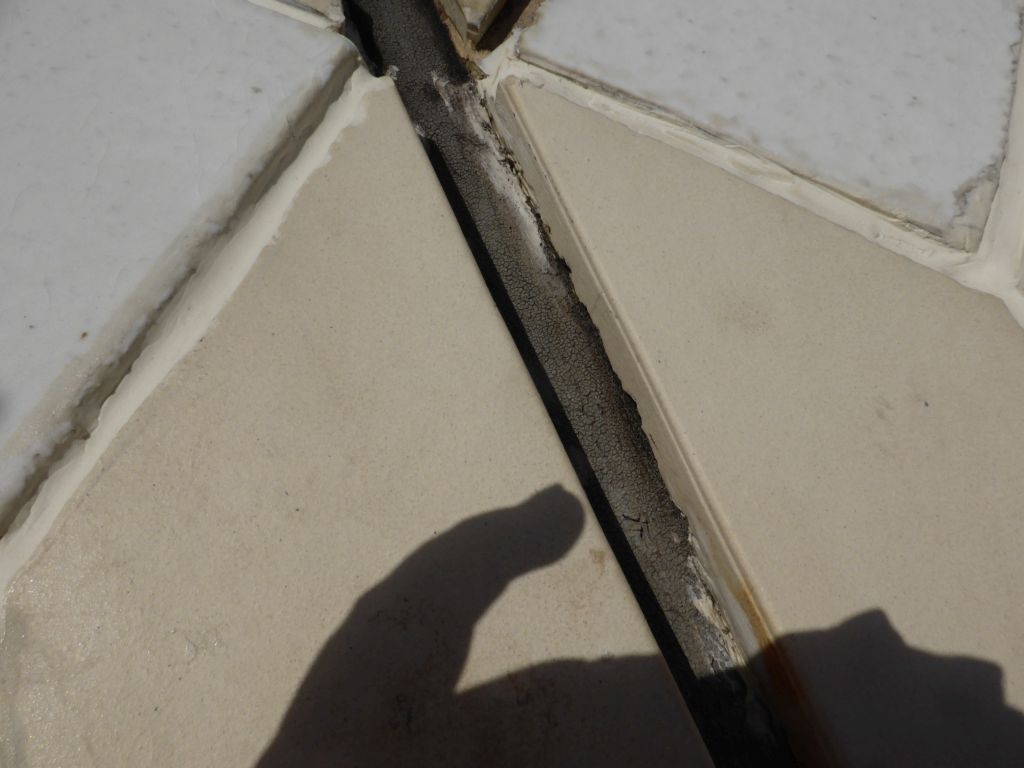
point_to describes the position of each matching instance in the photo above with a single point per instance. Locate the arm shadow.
(382, 691)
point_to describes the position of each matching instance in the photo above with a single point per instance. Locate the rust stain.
(777, 673)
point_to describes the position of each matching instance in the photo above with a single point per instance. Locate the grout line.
(889, 232)
(995, 268)
(82, 414)
(183, 325)
(594, 418)
(299, 14)
(619, 338)
(737, 601)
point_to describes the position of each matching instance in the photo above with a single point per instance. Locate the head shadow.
(382, 691)
(865, 697)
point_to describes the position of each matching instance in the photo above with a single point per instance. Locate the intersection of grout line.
(156, 126)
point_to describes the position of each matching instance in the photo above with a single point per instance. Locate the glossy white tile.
(901, 105)
(130, 131)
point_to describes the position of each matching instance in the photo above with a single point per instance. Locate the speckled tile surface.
(841, 426)
(902, 105)
(341, 531)
(130, 131)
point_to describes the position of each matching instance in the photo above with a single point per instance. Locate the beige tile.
(313, 483)
(842, 426)
(183, 112)
(329, 8)
(472, 17)
(853, 95)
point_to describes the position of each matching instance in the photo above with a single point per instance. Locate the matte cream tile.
(842, 426)
(132, 133)
(341, 531)
(902, 105)
(472, 17)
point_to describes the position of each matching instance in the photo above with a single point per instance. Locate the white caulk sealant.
(186, 321)
(995, 269)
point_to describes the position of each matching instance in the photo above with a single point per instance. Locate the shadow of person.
(880, 702)
(382, 692)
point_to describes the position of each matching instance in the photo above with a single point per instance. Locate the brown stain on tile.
(749, 316)
(777, 674)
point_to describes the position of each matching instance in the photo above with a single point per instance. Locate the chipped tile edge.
(591, 285)
(720, 565)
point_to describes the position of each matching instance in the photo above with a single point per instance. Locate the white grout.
(186, 321)
(299, 14)
(994, 269)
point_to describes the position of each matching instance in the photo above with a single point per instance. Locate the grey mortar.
(598, 423)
